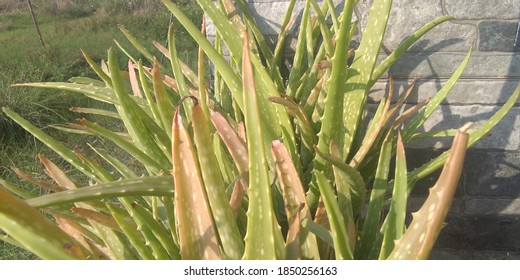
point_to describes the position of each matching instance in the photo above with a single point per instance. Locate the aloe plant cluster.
(255, 165)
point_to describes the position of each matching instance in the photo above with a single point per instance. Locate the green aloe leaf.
(197, 237)
(152, 186)
(295, 203)
(423, 115)
(394, 225)
(417, 242)
(232, 243)
(34, 231)
(368, 245)
(260, 237)
(337, 225)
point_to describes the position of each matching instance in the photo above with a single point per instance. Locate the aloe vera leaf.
(412, 126)
(259, 240)
(131, 115)
(142, 49)
(337, 225)
(95, 92)
(401, 49)
(135, 238)
(434, 134)
(417, 242)
(94, 111)
(222, 67)
(260, 39)
(367, 54)
(334, 87)
(236, 147)
(56, 173)
(100, 171)
(294, 197)
(164, 105)
(132, 77)
(23, 193)
(197, 237)
(145, 226)
(176, 67)
(34, 231)
(186, 70)
(87, 81)
(319, 231)
(394, 225)
(152, 186)
(474, 136)
(292, 247)
(143, 78)
(129, 147)
(96, 68)
(96, 216)
(304, 123)
(368, 247)
(122, 168)
(77, 232)
(225, 223)
(157, 229)
(324, 27)
(52, 143)
(297, 63)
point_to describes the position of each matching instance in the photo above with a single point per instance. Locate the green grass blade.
(34, 231)
(151, 186)
(52, 143)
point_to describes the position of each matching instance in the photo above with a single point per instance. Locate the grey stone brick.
(493, 174)
(488, 206)
(466, 91)
(483, 9)
(492, 232)
(498, 36)
(447, 254)
(504, 136)
(443, 65)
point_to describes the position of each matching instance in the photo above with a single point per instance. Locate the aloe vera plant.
(257, 165)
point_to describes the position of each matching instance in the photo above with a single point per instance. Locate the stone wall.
(484, 219)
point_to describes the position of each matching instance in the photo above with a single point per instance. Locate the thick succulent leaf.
(368, 245)
(474, 136)
(295, 202)
(259, 240)
(337, 225)
(232, 243)
(34, 231)
(103, 94)
(134, 236)
(131, 114)
(144, 186)
(394, 225)
(401, 49)
(17, 190)
(418, 240)
(197, 237)
(423, 115)
(367, 55)
(96, 216)
(164, 106)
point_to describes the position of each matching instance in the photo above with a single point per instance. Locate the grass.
(22, 59)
